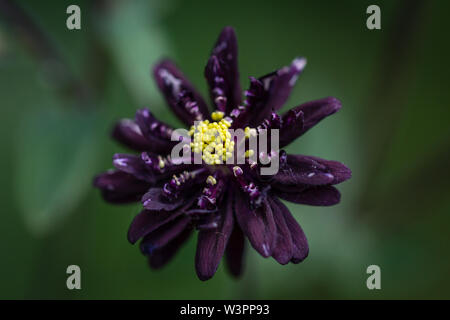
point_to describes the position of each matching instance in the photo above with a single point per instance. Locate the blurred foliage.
(392, 132)
(61, 157)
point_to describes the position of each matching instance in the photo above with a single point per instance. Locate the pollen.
(249, 132)
(217, 115)
(212, 139)
(211, 180)
(161, 162)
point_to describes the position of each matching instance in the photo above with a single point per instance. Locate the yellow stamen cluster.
(212, 139)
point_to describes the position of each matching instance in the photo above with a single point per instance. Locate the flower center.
(212, 139)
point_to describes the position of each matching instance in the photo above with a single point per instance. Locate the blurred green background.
(62, 90)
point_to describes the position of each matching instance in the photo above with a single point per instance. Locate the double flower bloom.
(225, 203)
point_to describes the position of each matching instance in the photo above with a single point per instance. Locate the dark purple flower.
(223, 203)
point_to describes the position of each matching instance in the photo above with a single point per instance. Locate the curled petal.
(148, 221)
(155, 199)
(256, 99)
(311, 113)
(292, 127)
(258, 224)
(128, 133)
(163, 255)
(164, 234)
(310, 195)
(307, 170)
(339, 171)
(235, 251)
(120, 187)
(156, 132)
(222, 72)
(181, 96)
(270, 92)
(152, 127)
(283, 246)
(211, 243)
(300, 248)
(280, 83)
(133, 165)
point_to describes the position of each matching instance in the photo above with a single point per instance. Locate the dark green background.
(393, 132)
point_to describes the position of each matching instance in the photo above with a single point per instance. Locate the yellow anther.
(217, 115)
(161, 162)
(176, 180)
(249, 153)
(211, 180)
(249, 132)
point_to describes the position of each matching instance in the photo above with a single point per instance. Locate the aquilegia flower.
(224, 203)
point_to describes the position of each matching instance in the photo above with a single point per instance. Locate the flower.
(224, 203)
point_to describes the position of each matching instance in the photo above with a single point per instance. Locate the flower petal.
(222, 72)
(280, 83)
(162, 256)
(337, 169)
(270, 92)
(120, 187)
(307, 170)
(164, 234)
(163, 167)
(300, 248)
(292, 126)
(154, 199)
(181, 96)
(235, 251)
(311, 112)
(133, 165)
(257, 224)
(147, 221)
(127, 132)
(211, 243)
(156, 132)
(314, 196)
(283, 246)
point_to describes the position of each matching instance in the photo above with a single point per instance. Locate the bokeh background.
(62, 90)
